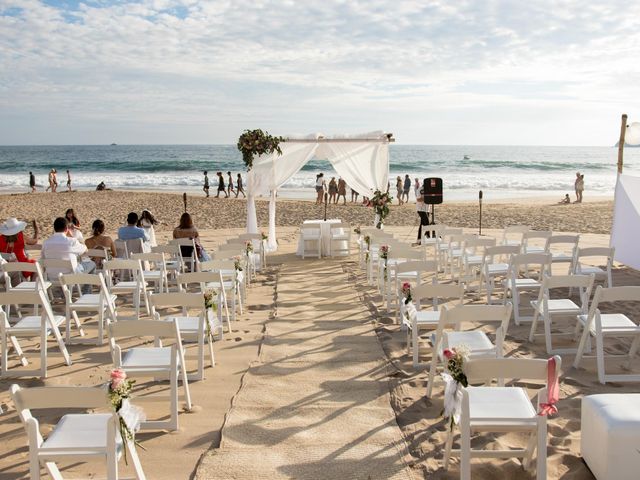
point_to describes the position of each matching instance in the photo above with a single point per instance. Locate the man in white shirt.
(60, 246)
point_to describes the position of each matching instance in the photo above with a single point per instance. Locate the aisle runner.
(316, 405)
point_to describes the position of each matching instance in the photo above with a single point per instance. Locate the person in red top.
(13, 240)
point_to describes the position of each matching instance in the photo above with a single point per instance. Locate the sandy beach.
(219, 213)
(418, 418)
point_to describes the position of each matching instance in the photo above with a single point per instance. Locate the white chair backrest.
(121, 249)
(154, 260)
(420, 266)
(30, 298)
(571, 240)
(514, 231)
(34, 398)
(135, 245)
(500, 251)
(201, 278)
(541, 260)
(606, 252)
(216, 265)
(405, 253)
(177, 299)
(438, 293)
(482, 369)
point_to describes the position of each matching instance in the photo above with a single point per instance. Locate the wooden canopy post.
(623, 129)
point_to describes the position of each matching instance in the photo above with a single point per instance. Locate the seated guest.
(100, 240)
(74, 225)
(186, 229)
(60, 246)
(13, 241)
(131, 231)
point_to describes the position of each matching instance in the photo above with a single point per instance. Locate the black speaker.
(432, 191)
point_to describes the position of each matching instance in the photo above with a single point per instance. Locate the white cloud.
(433, 72)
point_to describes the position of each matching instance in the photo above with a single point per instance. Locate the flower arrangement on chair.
(130, 416)
(380, 202)
(209, 306)
(406, 292)
(384, 255)
(256, 142)
(455, 380)
(248, 247)
(357, 231)
(264, 236)
(237, 263)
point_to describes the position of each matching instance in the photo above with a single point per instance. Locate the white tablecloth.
(325, 236)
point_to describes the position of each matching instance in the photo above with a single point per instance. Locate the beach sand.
(176, 455)
(212, 213)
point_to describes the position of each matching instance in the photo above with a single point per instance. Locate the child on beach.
(68, 181)
(565, 200)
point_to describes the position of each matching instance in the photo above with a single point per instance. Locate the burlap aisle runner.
(316, 405)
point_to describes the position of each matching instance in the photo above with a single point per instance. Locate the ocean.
(500, 171)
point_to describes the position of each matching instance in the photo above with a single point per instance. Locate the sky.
(480, 72)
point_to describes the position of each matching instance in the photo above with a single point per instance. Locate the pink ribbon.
(553, 390)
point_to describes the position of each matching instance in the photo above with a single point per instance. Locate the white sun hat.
(12, 226)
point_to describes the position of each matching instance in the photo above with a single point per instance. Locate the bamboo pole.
(623, 129)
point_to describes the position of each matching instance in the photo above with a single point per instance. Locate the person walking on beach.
(54, 187)
(221, 186)
(205, 188)
(68, 180)
(50, 178)
(342, 191)
(333, 190)
(32, 182)
(319, 188)
(399, 189)
(229, 185)
(422, 210)
(239, 187)
(407, 187)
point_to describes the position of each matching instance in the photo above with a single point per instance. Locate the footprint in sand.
(237, 339)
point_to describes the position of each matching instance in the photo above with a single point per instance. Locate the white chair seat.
(311, 235)
(172, 265)
(497, 268)
(427, 317)
(561, 257)
(523, 283)
(476, 341)
(618, 322)
(147, 358)
(127, 285)
(24, 286)
(499, 405)
(534, 250)
(34, 322)
(456, 252)
(90, 300)
(153, 274)
(588, 270)
(560, 306)
(474, 259)
(227, 285)
(82, 433)
(188, 325)
(340, 236)
(411, 275)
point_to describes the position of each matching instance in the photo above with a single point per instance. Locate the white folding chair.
(565, 242)
(31, 326)
(193, 328)
(412, 271)
(473, 257)
(581, 268)
(103, 303)
(158, 362)
(311, 233)
(339, 235)
(222, 277)
(173, 261)
(77, 437)
(121, 249)
(52, 268)
(519, 279)
(155, 269)
(503, 409)
(189, 252)
(126, 277)
(398, 256)
(546, 308)
(98, 255)
(495, 266)
(455, 253)
(437, 294)
(513, 235)
(259, 246)
(476, 341)
(610, 325)
(535, 241)
(23, 285)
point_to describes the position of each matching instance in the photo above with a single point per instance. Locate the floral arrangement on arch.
(254, 143)
(380, 202)
(455, 380)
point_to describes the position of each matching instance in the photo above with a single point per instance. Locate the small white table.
(325, 236)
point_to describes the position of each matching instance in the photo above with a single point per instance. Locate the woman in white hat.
(13, 240)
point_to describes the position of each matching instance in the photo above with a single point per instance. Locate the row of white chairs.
(339, 240)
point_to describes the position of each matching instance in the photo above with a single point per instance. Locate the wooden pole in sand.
(623, 129)
(184, 200)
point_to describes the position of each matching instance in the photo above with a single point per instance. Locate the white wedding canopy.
(361, 160)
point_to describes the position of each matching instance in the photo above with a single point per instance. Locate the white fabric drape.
(626, 221)
(363, 165)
